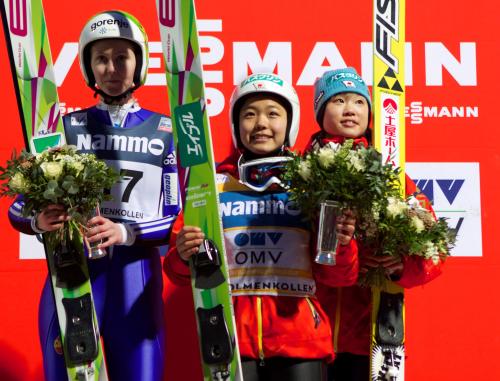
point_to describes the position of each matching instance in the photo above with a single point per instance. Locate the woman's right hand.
(51, 218)
(188, 241)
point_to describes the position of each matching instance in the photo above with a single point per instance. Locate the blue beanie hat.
(335, 82)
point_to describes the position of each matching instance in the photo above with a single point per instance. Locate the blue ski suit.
(127, 283)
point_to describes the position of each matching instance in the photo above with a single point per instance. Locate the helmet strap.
(113, 99)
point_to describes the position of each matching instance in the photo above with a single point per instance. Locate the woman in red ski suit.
(342, 106)
(283, 333)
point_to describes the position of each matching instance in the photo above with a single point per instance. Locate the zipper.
(337, 320)
(315, 315)
(259, 331)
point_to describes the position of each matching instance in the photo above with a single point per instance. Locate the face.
(346, 115)
(262, 124)
(113, 63)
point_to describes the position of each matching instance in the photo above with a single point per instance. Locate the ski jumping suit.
(349, 308)
(269, 259)
(127, 283)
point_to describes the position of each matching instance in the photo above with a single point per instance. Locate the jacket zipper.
(337, 320)
(259, 331)
(315, 315)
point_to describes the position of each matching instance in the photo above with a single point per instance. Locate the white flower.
(418, 224)
(77, 166)
(305, 170)
(431, 252)
(52, 170)
(396, 207)
(356, 161)
(326, 156)
(18, 183)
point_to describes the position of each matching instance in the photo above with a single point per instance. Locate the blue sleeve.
(157, 232)
(16, 218)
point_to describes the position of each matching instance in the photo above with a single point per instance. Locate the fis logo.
(454, 191)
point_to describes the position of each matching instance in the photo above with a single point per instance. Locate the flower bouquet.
(386, 223)
(61, 176)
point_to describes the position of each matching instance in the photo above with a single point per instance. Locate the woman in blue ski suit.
(138, 143)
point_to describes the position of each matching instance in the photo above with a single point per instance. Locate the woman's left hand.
(393, 266)
(104, 230)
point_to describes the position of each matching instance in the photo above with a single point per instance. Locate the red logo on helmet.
(390, 106)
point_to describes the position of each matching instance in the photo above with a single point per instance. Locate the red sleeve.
(417, 270)
(345, 271)
(174, 267)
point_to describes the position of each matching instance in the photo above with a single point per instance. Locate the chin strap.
(111, 99)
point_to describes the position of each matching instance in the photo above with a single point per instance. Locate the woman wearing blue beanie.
(342, 108)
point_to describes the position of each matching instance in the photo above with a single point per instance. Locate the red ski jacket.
(349, 308)
(277, 325)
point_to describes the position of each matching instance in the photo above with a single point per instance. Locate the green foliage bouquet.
(62, 176)
(386, 223)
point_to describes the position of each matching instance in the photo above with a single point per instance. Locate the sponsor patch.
(165, 124)
(78, 119)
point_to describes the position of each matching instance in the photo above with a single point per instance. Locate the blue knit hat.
(335, 82)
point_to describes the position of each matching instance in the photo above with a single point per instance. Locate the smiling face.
(113, 63)
(347, 115)
(262, 124)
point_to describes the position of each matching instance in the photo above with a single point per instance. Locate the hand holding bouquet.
(61, 179)
(387, 225)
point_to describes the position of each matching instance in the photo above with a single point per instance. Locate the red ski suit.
(276, 325)
(349, 308)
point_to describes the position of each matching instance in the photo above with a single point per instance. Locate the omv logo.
(454, 191)
(449, 187)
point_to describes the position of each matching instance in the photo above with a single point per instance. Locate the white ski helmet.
(114, 24)
(265, 83)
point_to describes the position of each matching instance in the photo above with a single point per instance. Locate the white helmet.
(265, 83)
(113, 24)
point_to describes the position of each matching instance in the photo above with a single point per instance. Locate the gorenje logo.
(110, 21)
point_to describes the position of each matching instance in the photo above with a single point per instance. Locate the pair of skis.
(36, 92)
(188, 105)
(38, 103)
(388, 330)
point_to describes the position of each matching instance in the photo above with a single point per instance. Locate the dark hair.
(264, 94)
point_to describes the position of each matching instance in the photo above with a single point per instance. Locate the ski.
(209, 275)
(36, 91)
(388, 311)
